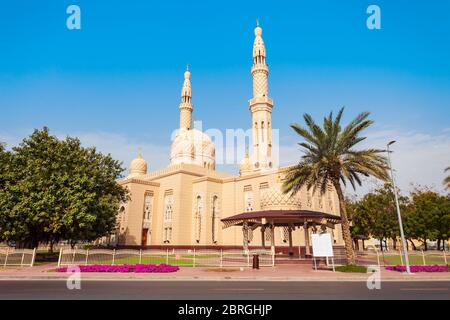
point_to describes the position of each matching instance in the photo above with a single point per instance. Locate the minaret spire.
(186, 107)
(261, 106)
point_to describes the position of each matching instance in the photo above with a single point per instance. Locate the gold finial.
(139, 152)
(257, 22)
(187, 67)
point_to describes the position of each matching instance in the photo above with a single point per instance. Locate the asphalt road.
(228, 290)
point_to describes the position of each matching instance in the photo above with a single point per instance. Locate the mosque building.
(189, 203)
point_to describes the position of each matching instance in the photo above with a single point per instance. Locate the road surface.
(229, 290)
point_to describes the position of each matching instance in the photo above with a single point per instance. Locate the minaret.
(261, 106)
(186, 107)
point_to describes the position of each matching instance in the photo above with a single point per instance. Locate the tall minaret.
(261, 106)
(186, 107)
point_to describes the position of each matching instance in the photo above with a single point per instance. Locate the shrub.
(352, 268)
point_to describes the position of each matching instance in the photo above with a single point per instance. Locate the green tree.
(428, 216)
(378, 213)
(56, 189)
(360, 228)
(330, 158)
(3, 165)
(447, 179)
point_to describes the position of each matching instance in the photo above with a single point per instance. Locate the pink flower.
(414, 269)
(136, 268)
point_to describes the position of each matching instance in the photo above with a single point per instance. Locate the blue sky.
(116, 82)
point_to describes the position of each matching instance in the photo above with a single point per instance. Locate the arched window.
(168, 212)
(198, 218)
(215, 218)
(168, 216)
(148, 206)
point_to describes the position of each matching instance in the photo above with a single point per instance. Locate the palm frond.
(330, 157)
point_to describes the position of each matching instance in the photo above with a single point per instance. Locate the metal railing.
(11, 257)
(395, 257)
(177, 257)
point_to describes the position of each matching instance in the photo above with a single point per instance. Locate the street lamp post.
(402, 234)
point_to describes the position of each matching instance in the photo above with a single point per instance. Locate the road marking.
(423, 289)
(238, 289)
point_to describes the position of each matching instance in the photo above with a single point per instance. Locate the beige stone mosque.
(189, 203)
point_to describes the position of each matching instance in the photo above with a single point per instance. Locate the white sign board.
(322, 245)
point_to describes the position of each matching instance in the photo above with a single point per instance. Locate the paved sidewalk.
(279, 273)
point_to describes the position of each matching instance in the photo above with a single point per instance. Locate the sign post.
(322, 246)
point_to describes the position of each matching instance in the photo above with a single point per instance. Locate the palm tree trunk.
(349, 252)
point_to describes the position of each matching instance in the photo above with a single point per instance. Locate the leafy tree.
(378, 213)
(447, 179)
(428, 216)
(3, 164)
(56, 189)
(360, 225)
(330, 158)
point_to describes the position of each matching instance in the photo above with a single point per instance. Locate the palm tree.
(329, 158)
(447, 179)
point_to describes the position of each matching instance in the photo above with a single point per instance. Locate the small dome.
(138, 167)
(192, 146)
(274, 199)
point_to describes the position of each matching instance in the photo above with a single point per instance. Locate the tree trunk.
(349, 252)
(50, 249)
(412, 244)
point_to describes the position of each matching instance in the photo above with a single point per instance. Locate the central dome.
(192, 146)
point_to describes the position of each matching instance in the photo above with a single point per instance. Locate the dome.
(274, 199)
(138, 167)
(192, 146)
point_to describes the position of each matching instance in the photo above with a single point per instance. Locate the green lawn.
(413, 259)
(187, 260)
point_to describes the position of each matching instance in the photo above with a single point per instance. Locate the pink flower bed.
(128, 268)
(414, 269)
